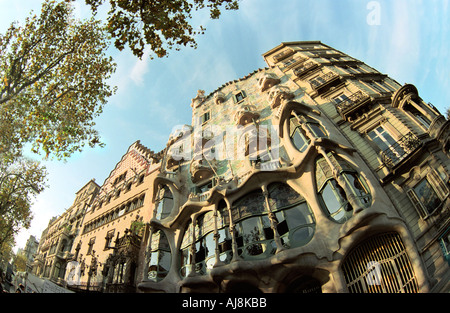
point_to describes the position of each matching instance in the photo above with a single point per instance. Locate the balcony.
(305, 68)
(219, 98)
(266, 166)
(353, 104)
(279, 94)
(268, 81)
(246, 115)
(399, 151)
(324, 81)
(201, 169)
(283, 55)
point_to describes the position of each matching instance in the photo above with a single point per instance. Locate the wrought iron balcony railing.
(400, 150)
(304, 68)
(323, 80)
(352, 101)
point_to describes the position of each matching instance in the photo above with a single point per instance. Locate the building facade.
(106, 255)
(30, 251)
(315, 174)
(57, 240)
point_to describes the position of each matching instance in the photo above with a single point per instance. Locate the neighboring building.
(315, 174)
(30, 250)
(57, 240)
(107, 252)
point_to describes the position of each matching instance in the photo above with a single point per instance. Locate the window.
(109, 239)
(334, 196)
(205, 117)
(164, 203)
(420, 117)
(185, 251)
(205, 245)
(297, 135)
(353, 69)
(239, 96)
(428, 194)
(294, 219)
(160, 258)
(90, 246)
(380, 264)
(253, 233)
(444, 241)
(297, 132)
(384, 140)
(340, 98)
(289, 62)
(224, 241)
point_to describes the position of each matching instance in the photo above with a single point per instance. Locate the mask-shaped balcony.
(219, 97)
(278, 94)
(256, 141)
(246, 115)
(268, 81)
(179, 133)
(202, 169)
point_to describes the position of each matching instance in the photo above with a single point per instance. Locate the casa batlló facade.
(315, 174)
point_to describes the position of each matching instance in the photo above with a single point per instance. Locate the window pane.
(298, 215)
(358, 188)
(333, 197)
(427, 195)
(250, 227)
(299, 140)
(317, 130)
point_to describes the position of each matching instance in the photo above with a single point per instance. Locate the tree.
(20, 262)
(53, 74)
(20, 181)
(159, 25)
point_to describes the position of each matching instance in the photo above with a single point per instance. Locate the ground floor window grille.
(380, 264)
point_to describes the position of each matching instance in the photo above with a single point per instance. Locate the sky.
(409, 40)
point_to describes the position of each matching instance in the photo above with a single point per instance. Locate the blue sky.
(407, 39)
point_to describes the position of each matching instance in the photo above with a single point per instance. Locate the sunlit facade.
(314, 174)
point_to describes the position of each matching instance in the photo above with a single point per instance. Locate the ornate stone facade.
(315, 174)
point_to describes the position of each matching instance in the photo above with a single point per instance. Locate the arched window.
(298, 135)
(160, 258)
(335, 194)
(204, 250)
(205, 245)
(254, 236)
(185, 251)
(303, 129)
(164, 203)
(295, 220)
(223, 230)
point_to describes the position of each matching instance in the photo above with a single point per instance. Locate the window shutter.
(438, 184)
(416, 202)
